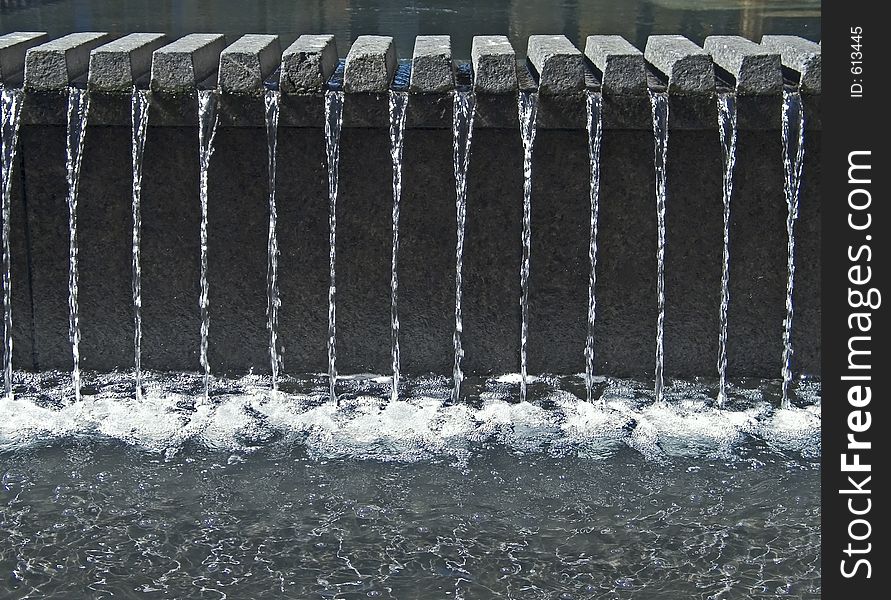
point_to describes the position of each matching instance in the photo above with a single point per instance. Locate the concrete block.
(247, 63)
(688, 67)
(370, 64)
(560, 65)
(55, 64)
(115, 66)
(308, 63)
(431, 64)
(756, 69)
(800, 55)
(12, 53)
(179, 66)
(494, 65)
(622, 66)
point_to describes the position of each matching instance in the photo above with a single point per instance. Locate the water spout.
(398, 104)
(139, 107)
(793, 159)
(659, 102)
(528, 107)
(78, 108)
(207, 127)
(273, 302)
(595, 105)
(727, 132)
(333, 122)
(463, 112)
(12, 112)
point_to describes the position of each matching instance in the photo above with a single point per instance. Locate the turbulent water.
(595, 134)
(262, 494)
(793, 160)
(78, 109)
(727, 133)
(139, 114)
(11, 118)
(464, 111)
(398, 105)
(333, 122)
(273, 301)
(660, 133)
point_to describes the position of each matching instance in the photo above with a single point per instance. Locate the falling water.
(398, 103)
(78, 107)
(272, 298)
(139, 112)
(333, 121)
(595, 104)
(793, 159)
(207, 127)
(727, 131)
(528, 107)
(463, 112)
(12, 109)
(659, 103)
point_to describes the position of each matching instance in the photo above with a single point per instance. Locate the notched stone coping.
(117, 65)
(802, 56)
(246, 64)
(622, 66)
(179, 66)
(370, 65)
(57, 63)
(755, 69)
(494, 65)
(560, 65)
(308, 63)
(432, 70)
(688, 67)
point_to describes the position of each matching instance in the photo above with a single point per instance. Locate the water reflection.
(405, 19)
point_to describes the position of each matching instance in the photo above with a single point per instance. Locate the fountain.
(12, 112)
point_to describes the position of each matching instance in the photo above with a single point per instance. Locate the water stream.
(139, 107)
(528, 107)
(333, 122)
(595, 134)
(78, 108)
(659, 103)
(727, 131)
(273, 302)
(12, 112)
(207, 127)
(793, 159)
(464, 110)
(398, 104)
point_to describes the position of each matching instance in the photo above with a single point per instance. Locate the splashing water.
(333, 122)
(659, 102)
(463, 112)
(595, 105)
(273, 302)
(207, 127)
(793, 159)
(727, 131)
(398, 104)
(12, 112)
(139, 112)
(528, 107)
(78, 108)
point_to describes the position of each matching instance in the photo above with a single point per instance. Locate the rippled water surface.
(256, 495)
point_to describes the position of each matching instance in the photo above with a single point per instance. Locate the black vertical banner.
(855, 420)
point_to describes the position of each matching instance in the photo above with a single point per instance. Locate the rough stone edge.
(432, 69)
(560, 65)
(13, 47)
(248, 62)
(755, 69)
(493, 72)
(370, 65)
(688, 67)
(308, 63)
(181, 65)
(802, 56)
(622, 65)
(117, 65)
(56, 64)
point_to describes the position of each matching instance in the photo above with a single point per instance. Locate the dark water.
(257, 494)
(462, 19)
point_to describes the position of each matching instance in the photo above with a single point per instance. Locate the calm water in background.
(404, 19)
